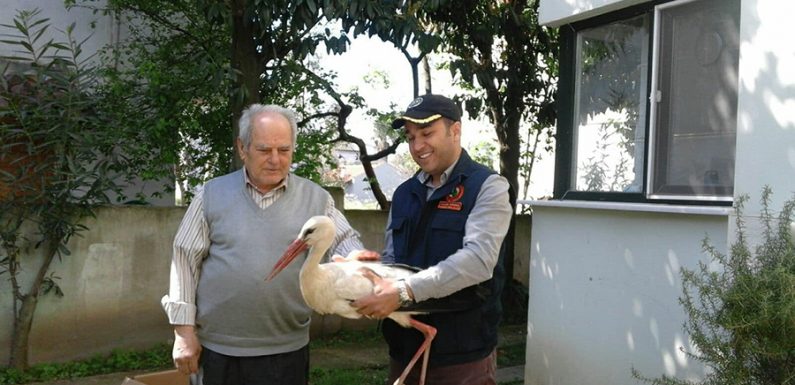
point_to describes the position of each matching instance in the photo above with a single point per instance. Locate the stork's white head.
(317, 230)
(317, 233)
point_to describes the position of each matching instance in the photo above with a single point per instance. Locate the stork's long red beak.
(297, 247)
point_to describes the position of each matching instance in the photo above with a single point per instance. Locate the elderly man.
(449, 220)
(230, 326)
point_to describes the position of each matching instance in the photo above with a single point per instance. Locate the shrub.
(59, 159)
(741, 318)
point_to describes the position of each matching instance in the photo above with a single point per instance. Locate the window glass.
(610, 106)
(695, 120)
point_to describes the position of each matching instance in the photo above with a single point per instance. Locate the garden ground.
(331, 356)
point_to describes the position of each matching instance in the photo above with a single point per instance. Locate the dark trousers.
(291, 368)
(480, 372)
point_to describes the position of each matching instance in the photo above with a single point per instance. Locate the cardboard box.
(168, 377)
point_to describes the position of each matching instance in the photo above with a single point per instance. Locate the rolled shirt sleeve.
(191, 245)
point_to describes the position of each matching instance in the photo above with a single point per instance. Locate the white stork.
(329, 288)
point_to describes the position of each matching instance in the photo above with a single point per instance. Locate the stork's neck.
(316, 253)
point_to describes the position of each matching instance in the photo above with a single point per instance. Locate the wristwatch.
(403, 293)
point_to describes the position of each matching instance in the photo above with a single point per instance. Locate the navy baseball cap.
(428, 108)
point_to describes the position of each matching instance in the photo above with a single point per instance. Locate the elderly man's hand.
(358, 255)
(186, 349)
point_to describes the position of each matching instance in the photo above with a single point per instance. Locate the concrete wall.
(116, 275)
(112, 283)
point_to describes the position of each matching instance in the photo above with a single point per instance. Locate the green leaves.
(741, 313)
(57, 143)
(157, 357)
(311, 6)
(49, 285)
(28, 31)
(59, 156)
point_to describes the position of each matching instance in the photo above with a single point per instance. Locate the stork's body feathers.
(330, 288)
(333, 286)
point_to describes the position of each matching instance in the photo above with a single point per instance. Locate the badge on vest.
(453, 200)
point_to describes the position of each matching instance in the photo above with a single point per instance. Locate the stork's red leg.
(429, 332)
(425, 357)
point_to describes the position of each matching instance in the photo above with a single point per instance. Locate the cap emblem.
(414, 103)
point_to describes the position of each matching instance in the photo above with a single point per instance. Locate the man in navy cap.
(450, 221)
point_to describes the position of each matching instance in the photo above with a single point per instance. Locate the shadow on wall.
(604, 299)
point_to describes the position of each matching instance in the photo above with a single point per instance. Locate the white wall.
(604, 284)
(766, 105)
(105, 31)
(558, 12)
(604, 288)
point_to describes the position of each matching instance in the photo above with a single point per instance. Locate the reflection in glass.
(695, 124)
(610, 107)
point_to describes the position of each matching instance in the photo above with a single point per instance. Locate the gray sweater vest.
(238, 313)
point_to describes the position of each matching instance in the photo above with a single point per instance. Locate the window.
(648, 104)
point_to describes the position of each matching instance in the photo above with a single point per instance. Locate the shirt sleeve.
(347, 239)
(474, 263)
(191, 246)
(388, 254)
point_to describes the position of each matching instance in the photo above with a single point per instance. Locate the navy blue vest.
(425, 232)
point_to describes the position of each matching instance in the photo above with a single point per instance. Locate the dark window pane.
(696, 111)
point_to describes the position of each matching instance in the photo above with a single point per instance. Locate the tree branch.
(383, 153)
(168, 24)
(318, 115)
(343, 135)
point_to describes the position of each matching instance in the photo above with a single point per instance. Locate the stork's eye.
(309, 231)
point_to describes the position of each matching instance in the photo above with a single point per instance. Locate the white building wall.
(604, 288)
(95, 31)
(104, 32)
(558, 12)
(604, 284)
(766, 105)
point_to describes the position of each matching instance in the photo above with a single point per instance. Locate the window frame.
(566, 99)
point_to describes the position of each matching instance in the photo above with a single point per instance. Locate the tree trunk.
(246, 71)
(509, 168)
(367, 164)
(532, 159)
(343, 135)
(426, 71)
(21, 333)
(415, 77)
(414, 62)
(23, 320)
(512, 111)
